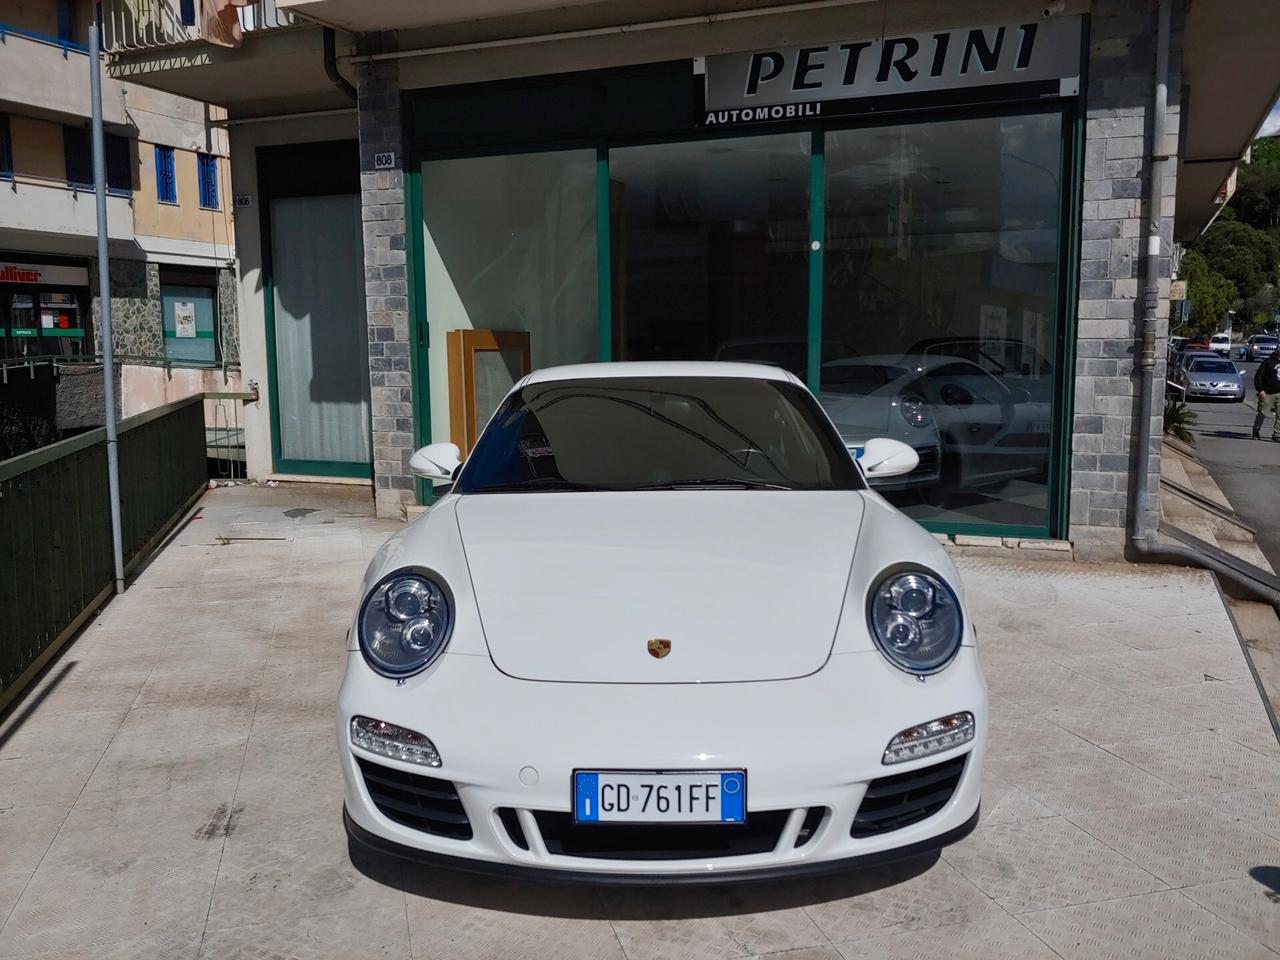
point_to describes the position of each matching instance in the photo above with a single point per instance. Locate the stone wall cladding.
(135, 308)
(1112, 262)
(382, 201)
(228, 316)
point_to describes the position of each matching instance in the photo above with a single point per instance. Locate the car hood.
(744, 585)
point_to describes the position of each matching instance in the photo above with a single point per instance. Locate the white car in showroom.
(659, 629)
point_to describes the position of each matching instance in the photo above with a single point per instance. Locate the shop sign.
(44, 273)
(810, 82)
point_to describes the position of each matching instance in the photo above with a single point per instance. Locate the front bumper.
(549, 874)
(509, 748)
(1215, 393)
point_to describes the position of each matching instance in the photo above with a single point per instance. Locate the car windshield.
(1212, 366)
(1265, 341)
(656, 433)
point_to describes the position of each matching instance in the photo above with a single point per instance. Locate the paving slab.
(169, 789)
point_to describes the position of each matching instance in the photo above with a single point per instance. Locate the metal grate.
(694, 841)
(892, 803)
(424, 803)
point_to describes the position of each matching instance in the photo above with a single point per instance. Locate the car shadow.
(603, 901)
(1269, 877)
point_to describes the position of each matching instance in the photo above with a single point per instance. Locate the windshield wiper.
(536, 483)
(749, 483)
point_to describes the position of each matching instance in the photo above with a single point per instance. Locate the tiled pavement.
(170, 790)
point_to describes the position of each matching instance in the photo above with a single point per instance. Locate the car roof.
(659, 368)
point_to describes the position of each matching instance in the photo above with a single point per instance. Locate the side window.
(66, 13)
(77, 150)
(189, 313)
(119, 164)
(166, 183)
(78, 155)
(6, 149)
(208, 167)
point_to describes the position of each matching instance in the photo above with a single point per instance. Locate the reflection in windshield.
(630, 433)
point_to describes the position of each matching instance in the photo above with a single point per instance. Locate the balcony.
(49, 216)
(130, 25)
(262, 61)
(47, 77)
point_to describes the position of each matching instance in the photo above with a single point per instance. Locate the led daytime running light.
(930, 738)
(398, 743)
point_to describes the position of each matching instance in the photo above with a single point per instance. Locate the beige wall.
(145, 388)
(42, 16)
(37, 148)
(184, 220)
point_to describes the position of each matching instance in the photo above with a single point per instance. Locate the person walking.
(1266, 381)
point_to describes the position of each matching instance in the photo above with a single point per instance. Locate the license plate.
(660, 796)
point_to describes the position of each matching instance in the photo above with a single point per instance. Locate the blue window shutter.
(166, 184)
(208, 166)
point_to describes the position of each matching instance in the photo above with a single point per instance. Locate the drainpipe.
(1141, 536)
(331, 64)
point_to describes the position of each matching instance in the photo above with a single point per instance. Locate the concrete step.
(1175, 469)
(1259, 627)
(1247, 551)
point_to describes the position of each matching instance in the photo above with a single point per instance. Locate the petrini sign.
(44, 273)
(796, 83)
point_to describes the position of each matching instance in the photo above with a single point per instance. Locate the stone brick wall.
(228, 316)
(386, 291)
(1113, 260)
(135, 308)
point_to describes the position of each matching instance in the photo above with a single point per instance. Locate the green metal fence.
(55, 526)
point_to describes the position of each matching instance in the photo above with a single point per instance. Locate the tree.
(1242, 254)
(1211, 294)
(1257, 197)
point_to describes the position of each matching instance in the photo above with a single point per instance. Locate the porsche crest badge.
(659, 648)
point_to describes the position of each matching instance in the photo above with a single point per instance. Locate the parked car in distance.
(1204, 378)
(621, 646)
(1220, 343)
(1262, 346)
(1175, 343)
(1199, 343)
(1186, 356)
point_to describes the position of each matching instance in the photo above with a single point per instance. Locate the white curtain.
(322, 352)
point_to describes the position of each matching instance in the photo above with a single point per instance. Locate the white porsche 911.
(659, 629)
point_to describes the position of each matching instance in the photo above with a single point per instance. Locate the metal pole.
(1151, 284)
(104, 300)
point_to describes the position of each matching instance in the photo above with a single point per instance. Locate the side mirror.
(882, 458)
(436, 462)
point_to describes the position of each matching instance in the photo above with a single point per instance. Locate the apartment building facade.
(170, 235)
(937, 215)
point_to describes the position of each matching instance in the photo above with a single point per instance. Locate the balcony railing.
(132, 25)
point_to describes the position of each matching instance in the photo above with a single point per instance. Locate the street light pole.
(104, 300)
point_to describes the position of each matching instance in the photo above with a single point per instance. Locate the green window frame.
(645, 130)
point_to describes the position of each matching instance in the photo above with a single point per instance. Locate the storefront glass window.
(190, 325)
(941, 289)
(321, 338)
(509, 248)
(709, 242)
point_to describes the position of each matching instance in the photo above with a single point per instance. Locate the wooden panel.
(480, 361)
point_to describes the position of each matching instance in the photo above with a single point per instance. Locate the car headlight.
(915, 619)
(404, 623)
(915, 411)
